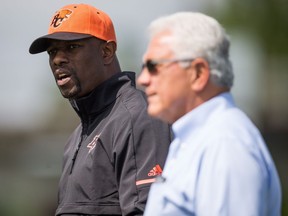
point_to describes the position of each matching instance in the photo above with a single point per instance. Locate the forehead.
(159, 46)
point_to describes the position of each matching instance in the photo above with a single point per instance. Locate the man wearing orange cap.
(117, 151)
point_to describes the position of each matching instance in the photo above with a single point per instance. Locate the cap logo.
(61, 16)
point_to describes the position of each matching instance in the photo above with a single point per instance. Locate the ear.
(108, 51)
(200, 74)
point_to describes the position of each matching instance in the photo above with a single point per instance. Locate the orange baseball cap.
(74, 22)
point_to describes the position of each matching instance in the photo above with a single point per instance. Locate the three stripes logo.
(155, 171)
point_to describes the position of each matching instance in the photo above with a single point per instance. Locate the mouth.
(149, 93)
(151, 98)
(62, 77)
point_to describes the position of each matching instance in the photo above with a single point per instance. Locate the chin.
(152, 111)
(163, 115)
(156, 113)
(69, 95)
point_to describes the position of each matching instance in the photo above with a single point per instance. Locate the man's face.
(167, 88)
(76, 65)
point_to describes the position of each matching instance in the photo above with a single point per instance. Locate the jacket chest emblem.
(93, 143)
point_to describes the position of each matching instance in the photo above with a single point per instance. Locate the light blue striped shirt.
(218, 164)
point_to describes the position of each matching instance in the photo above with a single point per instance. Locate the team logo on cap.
(60, 16)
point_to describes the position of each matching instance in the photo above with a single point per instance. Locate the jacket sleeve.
(140, 153)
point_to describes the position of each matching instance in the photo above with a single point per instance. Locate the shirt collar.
(188, 124)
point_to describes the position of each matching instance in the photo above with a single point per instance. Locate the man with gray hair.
(218, 163)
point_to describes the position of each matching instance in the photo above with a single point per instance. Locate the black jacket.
(114, 154)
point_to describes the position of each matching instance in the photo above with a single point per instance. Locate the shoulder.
(133, 102)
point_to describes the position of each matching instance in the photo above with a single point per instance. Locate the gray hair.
(198, 35)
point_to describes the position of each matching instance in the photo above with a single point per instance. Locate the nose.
(59, 58)
(144, 78)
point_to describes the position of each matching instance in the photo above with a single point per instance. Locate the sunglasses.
(151, 65)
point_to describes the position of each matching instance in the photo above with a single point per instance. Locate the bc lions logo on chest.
(93, 143)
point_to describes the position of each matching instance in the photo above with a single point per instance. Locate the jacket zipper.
(84, 130)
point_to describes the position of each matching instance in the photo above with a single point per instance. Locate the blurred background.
(35, 121)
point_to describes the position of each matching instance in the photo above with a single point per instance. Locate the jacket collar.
(103, 95)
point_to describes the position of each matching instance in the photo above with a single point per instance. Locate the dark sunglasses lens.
(151, 66)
